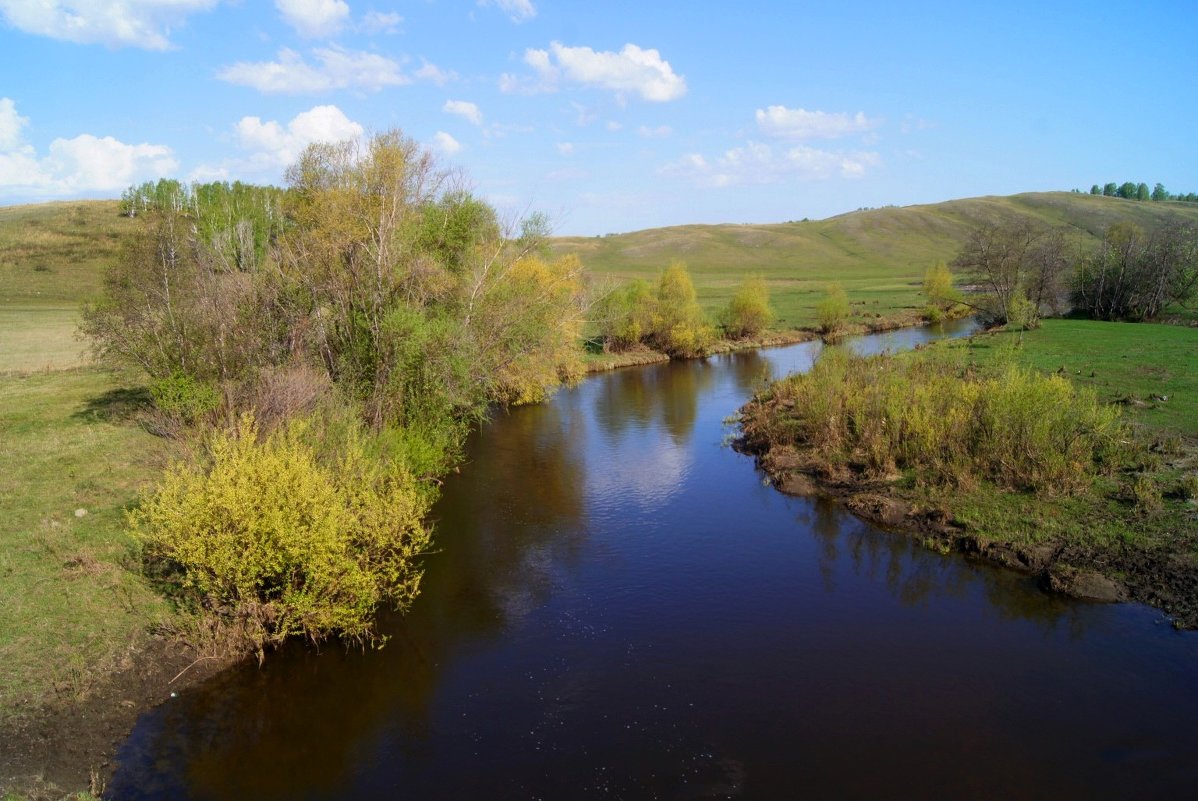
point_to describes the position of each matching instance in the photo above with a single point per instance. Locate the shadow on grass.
(116, 404)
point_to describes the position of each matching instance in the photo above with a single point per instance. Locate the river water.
(620, 607)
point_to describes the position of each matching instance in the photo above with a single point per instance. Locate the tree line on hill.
(1130, 190)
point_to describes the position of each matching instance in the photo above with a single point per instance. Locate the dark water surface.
(620, 608)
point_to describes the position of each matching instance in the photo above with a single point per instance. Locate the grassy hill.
(879, 255)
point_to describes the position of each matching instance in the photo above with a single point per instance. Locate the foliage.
(748, 313)
(679, 327)
(182, 397)
(833, 311)
(952, 423)
(277, 543)
(1006, 260)
(1132, 275)
(625, 315)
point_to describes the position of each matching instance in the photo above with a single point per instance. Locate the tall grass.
(949, 421)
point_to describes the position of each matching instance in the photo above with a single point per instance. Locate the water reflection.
(619, 608)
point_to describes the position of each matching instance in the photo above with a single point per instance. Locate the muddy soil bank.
(67, 745)
(1168, 581)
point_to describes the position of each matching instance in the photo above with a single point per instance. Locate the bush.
(833, 311)
(679, 327)
(1015, 427)
(183, 398)
(748, 314)
(625, 316)
(275, 543)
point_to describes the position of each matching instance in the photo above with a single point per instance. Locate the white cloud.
(434, 74)
(83, 164)
(11, 124)
(314, 18)
(634, 70)
(660, 132)
(465, 109)
(798, 123)
(337, 68)
(517, 10)
(445, 143)
(612, 125)
(129, 23)
(272, 145)
(756, 163)
(565, 148)
(380, 22)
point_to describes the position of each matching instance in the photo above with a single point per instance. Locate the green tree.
(748, 313)
(679, 326)
(1095, 190)
(1142, 191)
(1159, 192)
(1110, 190)
(832, 312)
(1127, 190)
(625, 315)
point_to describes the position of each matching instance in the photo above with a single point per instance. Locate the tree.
(1008, 258)
(1142, 191)
(1110, 190)
(832, 312)
(748, 313)
(938, 286)
(625, 315)
(1127, 190)
(679, 327)
(1095, 190)
(1159, 192)
(1133, 275)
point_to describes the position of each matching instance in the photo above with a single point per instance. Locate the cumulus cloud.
(336, 68)
(380, 22)
(444, 143)
(632, 71)
(314, 18)
(272, 145)
(517, 10)
(756, 163)
(83, 164)
(132, 23)
(464, 109)
(798, 123)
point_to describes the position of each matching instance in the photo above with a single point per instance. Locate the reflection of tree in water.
(918, 577)
(292, 729)
(750, 370)
(665, 395)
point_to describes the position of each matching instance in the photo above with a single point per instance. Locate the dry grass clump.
(952, 423)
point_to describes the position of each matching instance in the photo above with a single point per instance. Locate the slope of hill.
(879, 255)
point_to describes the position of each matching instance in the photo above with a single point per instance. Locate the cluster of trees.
(388, 308)
(1135, 275)
(1018, 271)
(237, 222)
(1131, 190)
(667, 317)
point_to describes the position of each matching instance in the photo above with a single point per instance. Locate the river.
(620, 607)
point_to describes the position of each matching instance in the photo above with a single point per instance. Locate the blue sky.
(609, 116)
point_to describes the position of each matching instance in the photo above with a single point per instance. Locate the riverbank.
(1106, 543)
(602, 362)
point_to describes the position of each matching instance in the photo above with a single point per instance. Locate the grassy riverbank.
(1104, 509)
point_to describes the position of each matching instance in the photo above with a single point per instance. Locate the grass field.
(1135, 364)
(68, 606)
(878, 255)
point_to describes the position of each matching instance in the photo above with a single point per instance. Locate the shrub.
(833, 311)
(625, 315)
(1015, 427)
(748, 314)
(184, 398)
(275, 543)
(679, 327)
